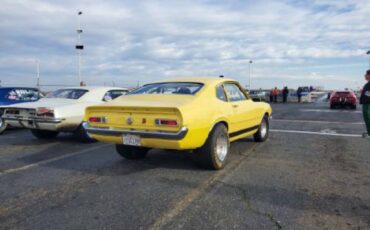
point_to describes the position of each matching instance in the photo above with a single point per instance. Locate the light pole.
(79, 47)
(368, 53)
(250, 67)
(38, 73)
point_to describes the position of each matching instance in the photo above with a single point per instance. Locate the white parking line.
(13, 170)
(330, 111)
(320, 122)
(315, 133)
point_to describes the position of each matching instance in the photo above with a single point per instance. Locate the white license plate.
(131, 140)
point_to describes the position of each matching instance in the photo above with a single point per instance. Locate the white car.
(60, 111)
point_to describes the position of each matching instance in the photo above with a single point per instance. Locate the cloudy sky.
(291, 42)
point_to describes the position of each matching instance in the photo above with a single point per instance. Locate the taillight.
(97, 119)
(45, 112)
(165, 122)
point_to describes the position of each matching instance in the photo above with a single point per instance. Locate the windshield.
(67, 93)
(19, 94)
(169, 88)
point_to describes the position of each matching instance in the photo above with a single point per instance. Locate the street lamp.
(368, 53)
(38, 73)
(79, 46)
(250, 67)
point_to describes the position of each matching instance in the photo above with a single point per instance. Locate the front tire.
(44, 134)
(131, 152)
(3, 126)
(263, 131)
(213, 154)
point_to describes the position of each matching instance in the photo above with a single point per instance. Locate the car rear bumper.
(53, 124)
(346, 103)
(165, 135)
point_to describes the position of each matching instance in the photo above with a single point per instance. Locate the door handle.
(235, 106)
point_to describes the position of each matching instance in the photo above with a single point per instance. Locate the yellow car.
(200, 114)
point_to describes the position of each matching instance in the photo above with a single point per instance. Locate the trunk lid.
(140, 112)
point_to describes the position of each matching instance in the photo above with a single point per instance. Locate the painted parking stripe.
(329, 111)
(320, 122)
(13, 170)
(315, 133)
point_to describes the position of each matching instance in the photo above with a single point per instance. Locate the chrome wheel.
(221, 147)
(263, 128)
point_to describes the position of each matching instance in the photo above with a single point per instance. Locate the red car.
(343, 99)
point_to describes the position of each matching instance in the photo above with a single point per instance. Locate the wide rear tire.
(263, 131)
(3, 126)
(44, 134)
(131, 152)
(214, 153)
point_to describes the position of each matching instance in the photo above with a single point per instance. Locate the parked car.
(60, 111)
(258, 95)
(199, 114)
(15, 95)
(343, 99)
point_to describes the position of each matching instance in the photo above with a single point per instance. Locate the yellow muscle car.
(200, 114)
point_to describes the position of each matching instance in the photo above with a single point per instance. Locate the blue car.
(14, 95)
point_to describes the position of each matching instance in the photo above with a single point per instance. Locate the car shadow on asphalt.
(24, 137)
(106, 162)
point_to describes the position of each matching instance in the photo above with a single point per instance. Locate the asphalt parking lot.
(312, 173)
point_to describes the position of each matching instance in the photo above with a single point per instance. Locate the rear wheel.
(131, 152)
(81, 135)
(2, 125)
(354, 107)
(263, 131)
(332, 107)
(44, 134)
(213, 154)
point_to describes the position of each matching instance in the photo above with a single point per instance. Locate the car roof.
(18, 87)
(96, 88)
(343, 91)
(204, 80)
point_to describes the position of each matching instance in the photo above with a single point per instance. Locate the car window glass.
(234, 93)
(113, 94)
(169, 88)
(67, 93)
(220, 93)
(21, 95)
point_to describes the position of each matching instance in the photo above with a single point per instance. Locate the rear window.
(169, 88)
(67, 93)
(19, 94)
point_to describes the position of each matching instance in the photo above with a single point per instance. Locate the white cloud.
(142, 41)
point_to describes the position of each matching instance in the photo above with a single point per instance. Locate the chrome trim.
(34, 119)
(144, 134)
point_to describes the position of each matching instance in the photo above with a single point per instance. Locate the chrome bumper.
(33, 119)
(144, 134)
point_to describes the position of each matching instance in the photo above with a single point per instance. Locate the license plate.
(131, 140)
